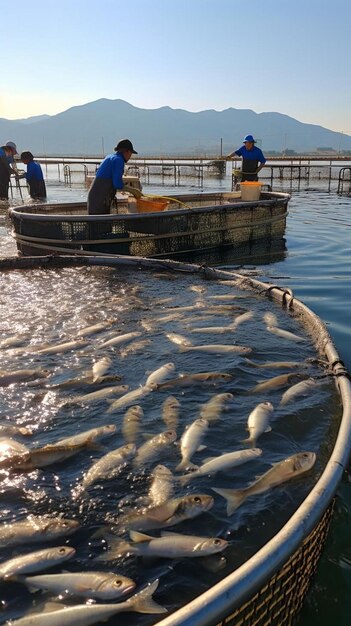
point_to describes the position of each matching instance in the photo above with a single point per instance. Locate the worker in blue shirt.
(108, 179)
(253, 159)
(34, 176)
(7, 167)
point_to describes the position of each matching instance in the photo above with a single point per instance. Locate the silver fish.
(64, 347)
(169, 546)
(101, 394)
(170, 412)
(179, 340)
(131, 423)
(96, 328)
(96, 585)
(135, 346)
(214, 330)
(155, 447)
(258, 422)
(212, 409)
(191, 441)
(159, 375)
(270, 319)
(87, 614)
(286, 334)
(280, 473)
(13, 342)
(168, 514)
(119, 339)
(162, 486)
(300, 389)
(100, 368)
(130, 397)
(240, 319)
(278, 364)
(198, 289)
(217, 349)
(34, 529)
(10, 447)
(34, 562)
(277, 382)
(106, 467)
(9, 431)
(222, 463)
(87, 436)
(184, 380)
(18, 376)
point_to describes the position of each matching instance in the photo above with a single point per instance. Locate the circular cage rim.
(225, 596)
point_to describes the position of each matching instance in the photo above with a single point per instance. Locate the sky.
(287, 56)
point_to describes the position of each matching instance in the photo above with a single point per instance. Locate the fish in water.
(215, 330)
(302, 388)
(106, 467)
(281, 472)
(130, 397)
(286, 334)
(179, 340)
(191, 442)
(100, 368)
(101, 394)
(37, 458)
(34, 562)
(168, 514)
(241, 319)
(277, 382)
(10, 448)
(135, 346)
(159, 375)
(64, 347)
(162, 486)
(9, 431)
(36, 529)
(185, 380)
(170, 412)
(212, 409)
(87, 614)
(13, 342)
(258, 422)
(19, 376)
(96, 328)
(169, 545)
(87, 436)
(270, 319)
(278, 364)
(198, 289)
(131, 423)
(95, 585)
(217, 349)
(119, 339)
(221, 463)
(155, 447)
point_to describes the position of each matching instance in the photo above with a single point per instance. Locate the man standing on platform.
(253, 159)
(108, 179)
(7, 167)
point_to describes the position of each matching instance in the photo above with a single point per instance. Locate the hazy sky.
(291, 56)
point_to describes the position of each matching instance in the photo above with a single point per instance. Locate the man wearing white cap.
(7, 167)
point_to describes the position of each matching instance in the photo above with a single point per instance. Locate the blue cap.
(249, 138)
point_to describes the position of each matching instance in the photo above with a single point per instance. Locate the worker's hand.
(135, 192)
(229, 157)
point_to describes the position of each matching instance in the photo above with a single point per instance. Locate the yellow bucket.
(151, 205)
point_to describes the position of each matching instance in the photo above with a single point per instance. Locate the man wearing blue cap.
(252, 156)
(108, 178)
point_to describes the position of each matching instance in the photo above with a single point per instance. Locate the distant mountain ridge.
(94, 128)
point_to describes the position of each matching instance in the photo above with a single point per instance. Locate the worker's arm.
(235, 153)
(135, 192)
(117, 173)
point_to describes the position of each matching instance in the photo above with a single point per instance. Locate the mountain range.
(94, 128)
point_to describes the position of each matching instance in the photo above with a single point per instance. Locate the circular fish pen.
(267, 582)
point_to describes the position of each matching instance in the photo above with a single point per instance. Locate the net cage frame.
(160, 234)
(270, 587)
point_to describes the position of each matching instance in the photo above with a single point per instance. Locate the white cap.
(11, 144)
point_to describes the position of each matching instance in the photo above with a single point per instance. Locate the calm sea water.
(316, 265)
